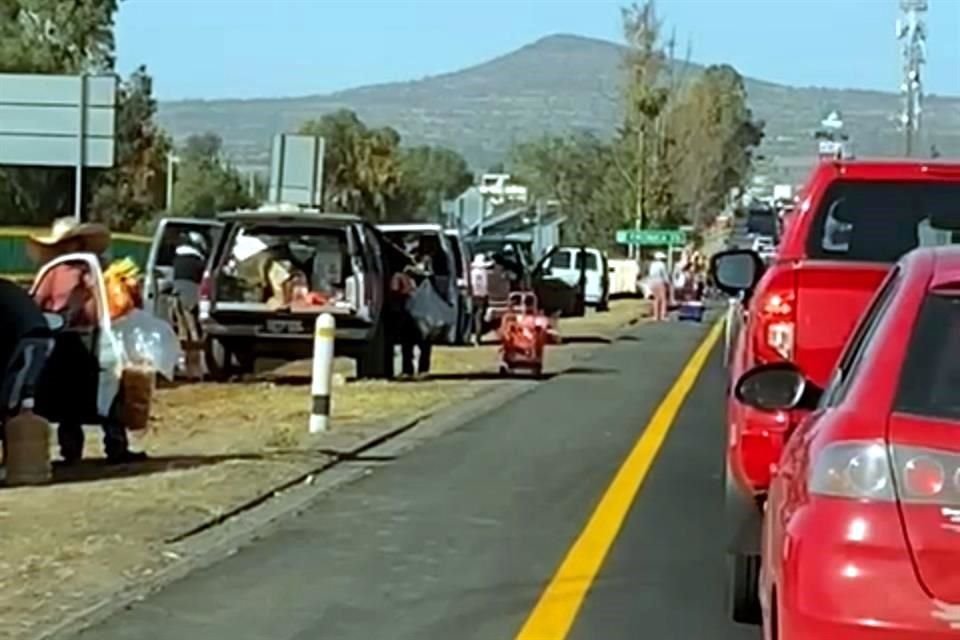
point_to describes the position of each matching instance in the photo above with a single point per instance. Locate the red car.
(855, 220)
(861, 537)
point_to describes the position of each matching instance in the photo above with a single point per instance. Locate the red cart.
(524, 332)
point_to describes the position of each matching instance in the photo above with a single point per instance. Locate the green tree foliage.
(57, 36)
(205, 184)
(367, 172)
(430, 175)
(127, 196)
(715, 134)
(682, 147)
(361, 165)
(578, 173)
(69, 37)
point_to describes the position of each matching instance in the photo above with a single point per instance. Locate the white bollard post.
(322, 373)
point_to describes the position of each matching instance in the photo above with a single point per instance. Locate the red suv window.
(881, 221)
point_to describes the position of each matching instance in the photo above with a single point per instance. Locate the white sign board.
(57, 121)
(830, 148)
(296, 170)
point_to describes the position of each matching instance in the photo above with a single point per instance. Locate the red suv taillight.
(776, 320)
(206, 286)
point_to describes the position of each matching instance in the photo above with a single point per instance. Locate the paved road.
(458, 538)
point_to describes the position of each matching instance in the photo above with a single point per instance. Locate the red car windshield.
(881, 221)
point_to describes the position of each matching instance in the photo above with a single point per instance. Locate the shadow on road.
(589, 371)
(586, 340)
(484, 375)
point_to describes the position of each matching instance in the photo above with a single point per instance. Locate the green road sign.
(651, 237)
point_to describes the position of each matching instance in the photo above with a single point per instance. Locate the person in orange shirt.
(68, 289)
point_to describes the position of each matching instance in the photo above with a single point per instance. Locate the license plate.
(285, 326)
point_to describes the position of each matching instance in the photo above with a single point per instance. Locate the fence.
(16, 264)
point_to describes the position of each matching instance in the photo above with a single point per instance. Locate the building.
(497, 208)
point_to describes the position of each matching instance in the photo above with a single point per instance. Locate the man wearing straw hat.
(68, 290)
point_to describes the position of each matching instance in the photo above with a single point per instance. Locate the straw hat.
(95, 238)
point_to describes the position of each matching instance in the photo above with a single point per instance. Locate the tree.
(361, 167)
(206, 184)
(646, 98)
(715, 134)
(57, 36)
(134, 190)
(430, 175)
(578, 172)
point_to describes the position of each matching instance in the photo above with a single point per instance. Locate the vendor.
(68, 290)
(189, 263)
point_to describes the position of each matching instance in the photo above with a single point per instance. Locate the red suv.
(856, 219)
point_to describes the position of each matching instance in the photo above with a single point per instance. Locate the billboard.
(296, 170)
(57, 121)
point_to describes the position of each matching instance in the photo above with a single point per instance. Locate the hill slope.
(558, 83)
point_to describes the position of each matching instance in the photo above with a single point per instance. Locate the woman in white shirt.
(659, 278)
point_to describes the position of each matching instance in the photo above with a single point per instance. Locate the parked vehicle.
(158, 272)
(765, 246)
(462, 258)
(857, 218)
(625, 277)
(569, 264)
(273, 272)
(513, 273)
(863, 512)
(447, 270)
(761, 221)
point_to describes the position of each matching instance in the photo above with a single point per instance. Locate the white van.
(566, 263)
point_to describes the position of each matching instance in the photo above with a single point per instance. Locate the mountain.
(556, 84)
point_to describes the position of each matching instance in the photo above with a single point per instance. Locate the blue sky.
(252, 48)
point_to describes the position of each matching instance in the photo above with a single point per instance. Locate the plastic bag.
(431, 313)
(148, 341)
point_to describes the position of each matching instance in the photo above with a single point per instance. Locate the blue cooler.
(690, 310)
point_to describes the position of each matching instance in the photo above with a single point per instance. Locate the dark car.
(338, 260)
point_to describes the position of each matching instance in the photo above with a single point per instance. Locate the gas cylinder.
(26, 449)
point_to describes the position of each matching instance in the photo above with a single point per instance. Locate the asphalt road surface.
(503, 527)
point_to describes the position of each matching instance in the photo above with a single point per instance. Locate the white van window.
(591, 261)
(560, 260)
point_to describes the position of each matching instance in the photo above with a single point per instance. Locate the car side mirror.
(736, 271)
(778, 386)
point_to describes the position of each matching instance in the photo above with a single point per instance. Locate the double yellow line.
(556, 610)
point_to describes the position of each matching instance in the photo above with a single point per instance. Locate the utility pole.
(912, 32)
(172, 161)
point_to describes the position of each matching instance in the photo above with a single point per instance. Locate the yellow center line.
(556, 611)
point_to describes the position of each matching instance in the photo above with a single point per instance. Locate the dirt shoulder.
(213, 448)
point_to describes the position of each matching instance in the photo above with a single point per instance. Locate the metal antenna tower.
(912, 34)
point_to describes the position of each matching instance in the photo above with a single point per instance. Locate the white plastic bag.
(148, 340)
